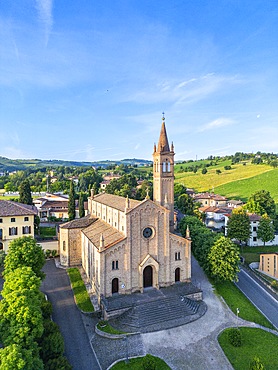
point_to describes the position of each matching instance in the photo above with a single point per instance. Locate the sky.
(88, 80)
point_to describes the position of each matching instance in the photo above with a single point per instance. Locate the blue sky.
(89, 79)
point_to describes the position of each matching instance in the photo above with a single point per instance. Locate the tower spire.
(163, 144)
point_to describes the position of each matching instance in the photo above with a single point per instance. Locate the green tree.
(224, 259)
(71, 203)
(81, 205)
(15, 357)
(261, 202)
(25, 196)
(185, 204)
(204, 171)
(37, 225)
(25, 251)
(179, 189)
(238, 226)
(266, 230)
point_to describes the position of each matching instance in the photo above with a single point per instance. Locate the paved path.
(65, 313)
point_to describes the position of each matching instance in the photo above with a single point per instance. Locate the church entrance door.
(115, 285)
(177, 274)
(148, 277)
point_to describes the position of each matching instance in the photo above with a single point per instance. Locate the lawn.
(236, 299)
(136, 364)
(107, 328)
(47, 231)
(252, 254)
(79, 290)
(255, 342)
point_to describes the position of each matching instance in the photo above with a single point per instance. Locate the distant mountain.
(9, 165)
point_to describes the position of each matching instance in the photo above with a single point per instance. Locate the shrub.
(60, 363)
(235, 337)
(53, 253)
(256, 364)
(46, 308)
(52, 346)
(47, 253)
(149, 363)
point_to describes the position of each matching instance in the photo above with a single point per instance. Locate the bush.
(47, 253)
(256, 364)
(149, 363)
(235, 337)
(52, 346)
(60, 363)
(53, 253)
(46, 308)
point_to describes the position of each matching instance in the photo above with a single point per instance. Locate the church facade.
(125, 245)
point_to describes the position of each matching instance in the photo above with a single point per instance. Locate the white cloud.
(44, 8)
(216, 124)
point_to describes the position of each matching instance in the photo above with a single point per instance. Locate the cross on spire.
(163, 118)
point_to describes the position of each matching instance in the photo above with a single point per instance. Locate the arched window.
(164, 167)
(1, 246)
(169, 167)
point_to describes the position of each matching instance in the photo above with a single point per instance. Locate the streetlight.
(237, 312)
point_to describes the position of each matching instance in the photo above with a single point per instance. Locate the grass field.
(239, 182)
(136, 364)
(243, 188)
(255, 342)
(79, 290)
(236, 299)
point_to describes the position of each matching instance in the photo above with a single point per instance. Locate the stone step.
(158, 311)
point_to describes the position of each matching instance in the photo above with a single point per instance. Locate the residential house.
(16, 220)
(215, 217)
(210, 199)
(268, 264)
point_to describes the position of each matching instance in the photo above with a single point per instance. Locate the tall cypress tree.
(71, 203)
(25, 196)
(81, 205)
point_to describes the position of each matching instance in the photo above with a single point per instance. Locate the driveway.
(65, 313)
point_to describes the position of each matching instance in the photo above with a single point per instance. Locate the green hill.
(239, 182)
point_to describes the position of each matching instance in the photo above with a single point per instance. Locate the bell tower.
(163, 173)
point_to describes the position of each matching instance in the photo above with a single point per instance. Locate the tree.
(204, 171)
(238, 226)
(25, 251)
(224, 259)
(17, 358)
(266, 230)
(218, 172)
(179, 189)
(185, 204)
(71, 203)
(25, 196)
(261, 202)
(81, 205)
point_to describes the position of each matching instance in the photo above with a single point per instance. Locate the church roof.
(115, 201)
(100, 228)
(163, 144)
(79, 223)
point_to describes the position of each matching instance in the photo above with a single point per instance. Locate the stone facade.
(126, 245)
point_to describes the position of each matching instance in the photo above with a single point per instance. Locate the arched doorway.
(115, 285)
(177, 275)
(1, 246)
(148, 277)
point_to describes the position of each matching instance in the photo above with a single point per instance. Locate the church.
(125, 245)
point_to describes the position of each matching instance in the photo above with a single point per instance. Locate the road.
(65, 313)
(256, 293)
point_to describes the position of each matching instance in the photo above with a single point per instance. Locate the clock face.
(147, 232)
